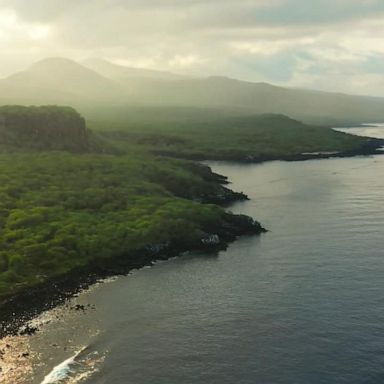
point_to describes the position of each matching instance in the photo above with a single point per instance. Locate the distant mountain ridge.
(97, 83)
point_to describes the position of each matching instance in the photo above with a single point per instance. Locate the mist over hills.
(99, 85)
(121, 72)
(58, 80)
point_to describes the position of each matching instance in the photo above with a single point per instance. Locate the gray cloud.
(225, 13)
(291, 42)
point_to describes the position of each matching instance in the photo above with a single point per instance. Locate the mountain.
(258, 98)
(98, 86)
(59, 80)
(164, 89)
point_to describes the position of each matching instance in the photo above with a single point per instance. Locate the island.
(79, 203)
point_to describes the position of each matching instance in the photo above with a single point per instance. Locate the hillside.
(113, 88)
(202, 137)
(241, 138)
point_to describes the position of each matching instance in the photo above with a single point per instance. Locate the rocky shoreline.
(17, 310)
(372, 146)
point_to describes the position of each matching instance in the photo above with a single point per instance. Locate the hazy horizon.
(324, 45)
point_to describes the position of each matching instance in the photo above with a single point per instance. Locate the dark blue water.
(302, 304)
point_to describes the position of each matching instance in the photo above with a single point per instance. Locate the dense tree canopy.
(59, 210)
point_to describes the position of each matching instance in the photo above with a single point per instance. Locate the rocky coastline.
(372, 146)
(17, 310)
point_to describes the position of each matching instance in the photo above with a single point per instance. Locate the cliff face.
(46, 127)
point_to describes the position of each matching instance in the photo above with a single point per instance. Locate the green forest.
(71, 196)
(59, 211)
(236, 138)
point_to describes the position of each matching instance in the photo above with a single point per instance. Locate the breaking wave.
(75, 369)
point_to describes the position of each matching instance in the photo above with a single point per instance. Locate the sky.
(333, 45)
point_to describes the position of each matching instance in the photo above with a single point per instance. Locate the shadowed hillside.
(48, 127)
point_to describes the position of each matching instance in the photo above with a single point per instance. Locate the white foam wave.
(63, 370)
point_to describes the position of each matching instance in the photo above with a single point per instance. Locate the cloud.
(318, 43)
(13, 30)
